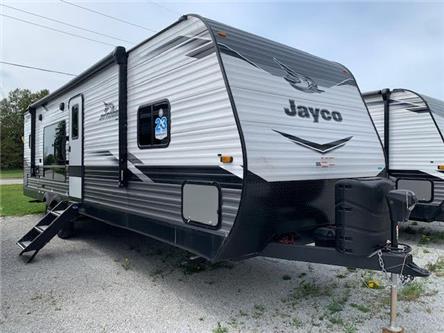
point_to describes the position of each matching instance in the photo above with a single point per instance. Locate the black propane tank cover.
(362, 215)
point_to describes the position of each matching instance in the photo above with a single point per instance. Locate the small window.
(75, 122)
(153, 125)
(423, 188)
(201, 204)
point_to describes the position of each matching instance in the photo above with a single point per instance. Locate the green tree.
(12, 110)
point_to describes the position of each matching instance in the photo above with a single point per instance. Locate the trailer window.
(423, 188)
(75, 122)
(201, 204)
(54, 151)
(153, 125)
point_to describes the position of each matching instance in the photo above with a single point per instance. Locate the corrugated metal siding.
(26, 147)
(415, 143)
(261, 93)
(375, 105)
(437, 108)
(202, 126)
(26, 134)
(99, 135)
(47, 185)
(438, 192)
(202, 121)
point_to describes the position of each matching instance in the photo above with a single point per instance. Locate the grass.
(11, 173)
(431, 237)
(126, 264)
(14, 203)
(220, 329)
(335, 307)
(296, 323)
(437, 267)
(411, 291)
(258, 311)
(360, 307)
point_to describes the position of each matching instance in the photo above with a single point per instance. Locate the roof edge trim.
(117, 56)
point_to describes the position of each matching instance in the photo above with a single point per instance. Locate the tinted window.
(154, 125)
(54, 144)
(75, 122)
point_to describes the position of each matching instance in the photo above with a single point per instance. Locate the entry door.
(75, 146)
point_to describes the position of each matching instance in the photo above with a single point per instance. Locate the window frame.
(151, 105)
(219, 205)
(54, 166)
(432, 187)
(72, 137)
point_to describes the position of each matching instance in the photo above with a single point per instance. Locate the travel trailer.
(411, 127)
(222, 143)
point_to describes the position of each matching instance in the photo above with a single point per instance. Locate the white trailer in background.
(411, 127)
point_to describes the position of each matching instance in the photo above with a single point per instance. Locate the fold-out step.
(48, 227)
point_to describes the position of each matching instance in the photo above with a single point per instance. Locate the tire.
(67, 231)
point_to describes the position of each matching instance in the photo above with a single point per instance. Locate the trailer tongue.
(360, 237)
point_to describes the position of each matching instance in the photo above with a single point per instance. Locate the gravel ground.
(111, 280)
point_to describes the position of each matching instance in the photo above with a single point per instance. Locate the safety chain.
(404, 279)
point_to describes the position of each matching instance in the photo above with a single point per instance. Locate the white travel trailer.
(412, 127)
(222, 143)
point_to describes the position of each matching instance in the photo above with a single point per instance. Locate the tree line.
(12, 109)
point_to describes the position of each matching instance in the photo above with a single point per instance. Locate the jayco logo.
(303, 111)
(109, 112)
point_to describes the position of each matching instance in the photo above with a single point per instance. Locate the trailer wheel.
(67, 231)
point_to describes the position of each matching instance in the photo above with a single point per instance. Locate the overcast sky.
(384, 44)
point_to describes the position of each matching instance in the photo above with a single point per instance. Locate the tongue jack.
(401, 203)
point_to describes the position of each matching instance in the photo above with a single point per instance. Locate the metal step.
(41, 228)
(47, 227)
(24, 244)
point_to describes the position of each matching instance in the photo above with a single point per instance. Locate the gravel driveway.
(111, 280)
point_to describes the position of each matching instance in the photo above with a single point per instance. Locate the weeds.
(286, 277)
(336, 320)
(258, 311)
(296, 323)
(335, 307)
(411, 291)
(126, 264)
(350, 328)
(437, 267)
(220, 329)
(431, 237)
(360, 307)
(195, 266)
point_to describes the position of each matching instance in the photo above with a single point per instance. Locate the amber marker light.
(441, 167)
(226, 159)
(222, 34)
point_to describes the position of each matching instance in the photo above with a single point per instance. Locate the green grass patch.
(220, 329)
(437, 267)
(411, 291)
(14, 203)
(335, 307)
(11, 173)
(431, 237)
(360, 307)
